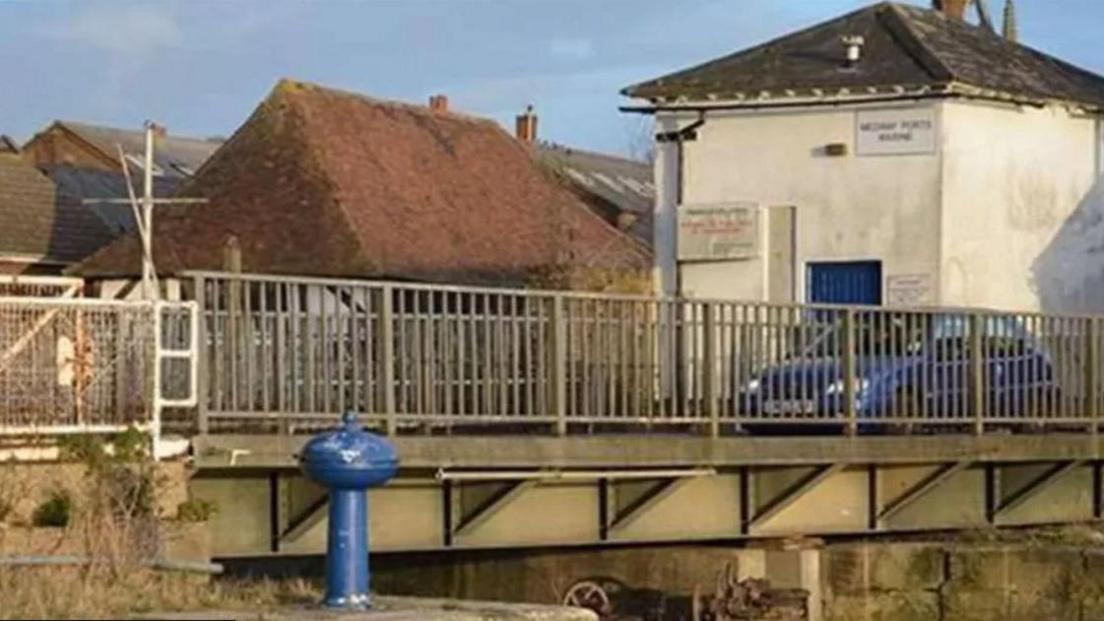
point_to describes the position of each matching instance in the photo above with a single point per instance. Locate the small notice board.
(718, 232)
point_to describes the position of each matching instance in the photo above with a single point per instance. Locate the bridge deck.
(663, 450)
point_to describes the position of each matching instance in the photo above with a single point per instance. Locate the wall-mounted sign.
(897, 131)
(909, 290)
(718, 232)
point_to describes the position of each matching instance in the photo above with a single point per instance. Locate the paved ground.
(397, 609)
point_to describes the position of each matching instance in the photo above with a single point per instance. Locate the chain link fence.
(73, 365)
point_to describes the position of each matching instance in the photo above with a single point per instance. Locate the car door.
(946, 369)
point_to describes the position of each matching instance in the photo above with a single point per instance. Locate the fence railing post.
(709, 368)
(199, 295)
(1092, 373)
(849, 372)
(558, 347)
(977, 383)
(387, 357)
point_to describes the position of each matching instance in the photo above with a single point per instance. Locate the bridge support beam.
(273, 510)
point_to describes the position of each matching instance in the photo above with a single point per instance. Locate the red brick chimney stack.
(438, 103)
(526, 127)
(955, 9)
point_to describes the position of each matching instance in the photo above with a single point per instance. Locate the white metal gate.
(94, 366)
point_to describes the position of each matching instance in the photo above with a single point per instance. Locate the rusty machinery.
(731, 599)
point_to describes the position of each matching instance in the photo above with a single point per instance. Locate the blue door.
(845, 282)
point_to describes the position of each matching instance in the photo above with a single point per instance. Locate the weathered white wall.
(848, 208)
(1018, 228)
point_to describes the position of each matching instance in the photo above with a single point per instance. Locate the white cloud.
(571, 49)
(129, 30)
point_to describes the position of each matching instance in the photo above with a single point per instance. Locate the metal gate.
(94, 366)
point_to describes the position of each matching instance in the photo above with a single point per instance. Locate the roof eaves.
(804, 97)
(32, 259)
(976, 92)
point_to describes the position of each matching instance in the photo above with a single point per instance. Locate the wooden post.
(387, 356)
(849, 372)
(231, 262)
(977, 372)
(199, 294)
(709, 368)
(558, 341)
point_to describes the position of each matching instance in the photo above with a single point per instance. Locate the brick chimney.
(954, 9)
(526, 126)
(438, 103)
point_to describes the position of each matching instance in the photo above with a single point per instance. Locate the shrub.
(196, 510)
(54, 512)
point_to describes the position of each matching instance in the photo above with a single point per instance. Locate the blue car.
(910, 369)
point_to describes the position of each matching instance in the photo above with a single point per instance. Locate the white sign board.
(718, 232)
(900, 131)
(909, 290)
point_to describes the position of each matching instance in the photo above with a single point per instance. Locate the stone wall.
(962, 582)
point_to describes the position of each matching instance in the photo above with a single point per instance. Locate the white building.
(894, 155)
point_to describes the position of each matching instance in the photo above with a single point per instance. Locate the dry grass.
(102, 592)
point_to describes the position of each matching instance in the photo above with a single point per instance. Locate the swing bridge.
(528, 418)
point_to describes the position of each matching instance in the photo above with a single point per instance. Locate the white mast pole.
(147, 218)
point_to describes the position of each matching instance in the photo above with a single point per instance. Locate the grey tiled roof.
(906, 48)
(625, 185)
(176, 156)
(90, 183)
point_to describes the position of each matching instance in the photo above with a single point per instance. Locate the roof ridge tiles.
(898, 25)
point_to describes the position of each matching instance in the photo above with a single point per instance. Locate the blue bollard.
(347, 461)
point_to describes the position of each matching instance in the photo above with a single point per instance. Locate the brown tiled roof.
(325, 182)
(39, 225)
(906, 49)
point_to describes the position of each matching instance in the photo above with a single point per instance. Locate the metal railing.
(286, 353)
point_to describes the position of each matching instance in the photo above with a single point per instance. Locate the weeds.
(54, 512)
(196, 510)
(114, 521)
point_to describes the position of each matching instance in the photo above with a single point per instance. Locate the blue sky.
(199, 67)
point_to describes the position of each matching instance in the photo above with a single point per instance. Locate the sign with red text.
(718, 232)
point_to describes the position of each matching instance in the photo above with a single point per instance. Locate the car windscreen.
(875, 334)
(904, 333)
